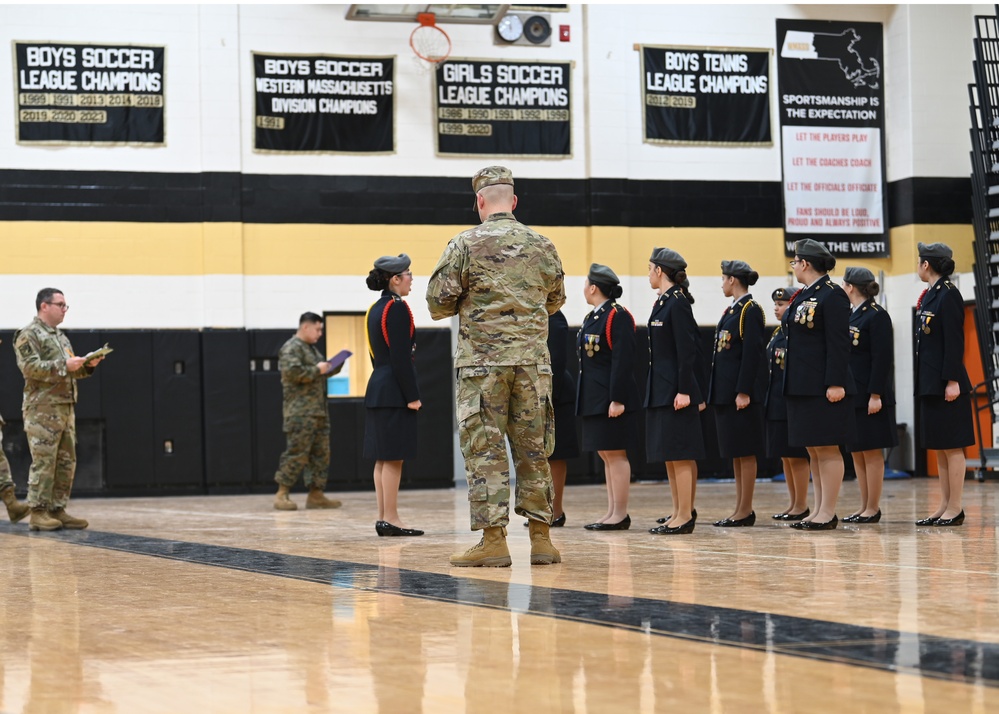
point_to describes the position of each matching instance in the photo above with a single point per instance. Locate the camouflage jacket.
(304, 387)
(502, 280)
(41, 353)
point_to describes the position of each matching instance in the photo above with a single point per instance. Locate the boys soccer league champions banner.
(831, 84)
(324, 104)
(88, 94)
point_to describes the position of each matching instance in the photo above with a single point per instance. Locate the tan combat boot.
(542, 550)
(42, 521)
(73, 524)
(281, 500)
(16, 511)
(317, 499)
(490, 552)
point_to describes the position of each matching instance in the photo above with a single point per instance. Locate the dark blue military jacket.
(776, 407)
(940, 340)
(738, 362)
(817, 324)
(391, 345)
(606, 349)
(872, 356)
(563, 382)
(672, 351)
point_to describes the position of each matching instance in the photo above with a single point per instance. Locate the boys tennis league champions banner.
(702, 95)
(324, 104)
(506, 108)
(88, 94)
(831, 85)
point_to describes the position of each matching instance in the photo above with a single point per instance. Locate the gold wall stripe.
(95, 248)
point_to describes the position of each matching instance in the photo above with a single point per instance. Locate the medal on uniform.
(926, 317)
(779, 357)
(724, 341)
(591, 344)
(855, 335)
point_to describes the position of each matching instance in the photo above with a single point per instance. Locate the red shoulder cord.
(412, 325)
(793, 296)
(610, 319)
(919, 302)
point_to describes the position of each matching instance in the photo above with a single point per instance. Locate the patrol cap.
(781, 294)
(738, 268)
(393, 265)
(808, 248)
(668, 258)
(491, 176)
(934, 250)
(602, 274)
(858, 276)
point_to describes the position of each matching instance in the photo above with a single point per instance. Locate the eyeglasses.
(794, 262)
(407, 274)
(60, 305)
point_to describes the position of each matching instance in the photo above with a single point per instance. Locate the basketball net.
(430, 44)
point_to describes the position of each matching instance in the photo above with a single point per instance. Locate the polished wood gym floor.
(222, 604)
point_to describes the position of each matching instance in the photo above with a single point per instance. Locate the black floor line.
(959, 660)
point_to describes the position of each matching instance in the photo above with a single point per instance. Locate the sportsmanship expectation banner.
(694, 95)
(503, 108)
(831, 84)
(324, 103)
(88, 94)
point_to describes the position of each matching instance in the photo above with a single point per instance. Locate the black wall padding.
(127, 400)
(177, 398)
(265, 393)
(227, 424)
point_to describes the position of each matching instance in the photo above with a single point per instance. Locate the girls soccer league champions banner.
(831, 96)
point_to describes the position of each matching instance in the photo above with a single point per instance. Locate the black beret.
(603, 275)
(738, 268)
(667, 258)
(858, 276)
(393, 265)
(782, 294)
(934, 250)
(808, 248)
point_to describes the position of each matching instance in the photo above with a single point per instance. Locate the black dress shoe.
(621, 525)
(687, 527)
(737, 522)
(557, 523)
(384, 528)
(665, 519)
(867, 519)
(928, 521)
(855, 518)
(955, 521)
(797, 516)
(813, 526)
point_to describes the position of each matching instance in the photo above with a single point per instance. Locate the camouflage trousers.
(51, 432)
(5, 477)
(307, 453)
(494, 403)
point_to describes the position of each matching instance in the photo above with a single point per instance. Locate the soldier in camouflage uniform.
(306, 416)
(15, 511)
(50, 371)
(502, 280)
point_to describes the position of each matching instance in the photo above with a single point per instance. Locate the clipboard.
(337, 360)
(100, 352)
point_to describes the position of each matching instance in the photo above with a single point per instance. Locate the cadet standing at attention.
(502, 280)
(50, 371)
(306, 416)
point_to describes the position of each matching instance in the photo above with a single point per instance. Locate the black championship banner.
(830, 78)
(507, 108)
(703, 95)
(322, 103)
(88, 94)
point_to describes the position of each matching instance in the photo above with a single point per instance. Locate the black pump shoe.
(621, 525)
(665, 519)
(687, 527)
(813, 526)
(557, 523)
(384, 528)
(737, 522)
(868, 519)
(797, 516)
(855, 518)
(955, 521)
(928, 521)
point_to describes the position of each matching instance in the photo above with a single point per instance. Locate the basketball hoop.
(429, 42)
